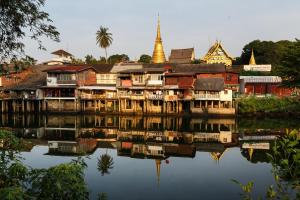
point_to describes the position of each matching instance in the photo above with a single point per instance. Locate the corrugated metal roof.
(261, 79)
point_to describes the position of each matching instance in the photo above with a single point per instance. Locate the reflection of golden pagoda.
(217, 54)
(250, 152)
(252, 59)
(217, 155)
(158, 53)
(158, 163)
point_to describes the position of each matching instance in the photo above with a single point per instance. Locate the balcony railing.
(92, 96)
(206, 96)
(155, 96)
(137, 97)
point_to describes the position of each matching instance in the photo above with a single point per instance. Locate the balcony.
(154, 83)
(155, 96)
(206, 96)
(92, 96)
(137, 97)
(170, 98)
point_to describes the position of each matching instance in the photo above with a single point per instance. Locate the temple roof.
(182, 55)
(213, 49)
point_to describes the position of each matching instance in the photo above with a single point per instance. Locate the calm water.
(155, 157)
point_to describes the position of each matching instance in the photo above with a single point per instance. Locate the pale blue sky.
(184, 24)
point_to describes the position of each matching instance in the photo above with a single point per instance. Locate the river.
(155, 157)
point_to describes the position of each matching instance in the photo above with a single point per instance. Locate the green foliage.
(246, 189)
(268, 104)
(18, 15)
(145, 58)
(105, 163)
(90, 60)
(65, 181)
(284, 56)
(285, 159)
(117, 58)
(290, 68)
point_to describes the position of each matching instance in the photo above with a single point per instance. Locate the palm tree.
(104, 39)
(105, 163)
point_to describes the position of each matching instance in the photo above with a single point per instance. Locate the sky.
(184, 24)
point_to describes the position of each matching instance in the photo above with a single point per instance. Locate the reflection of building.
(80, 146)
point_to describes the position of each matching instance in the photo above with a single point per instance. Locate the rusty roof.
(182, 55)
(69, 68)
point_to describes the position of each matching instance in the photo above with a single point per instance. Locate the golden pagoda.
(252, 59)
(158, 52)
(217, 54)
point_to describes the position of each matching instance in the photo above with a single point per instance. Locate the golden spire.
(252, 59)
(158, 163)
(158, 53)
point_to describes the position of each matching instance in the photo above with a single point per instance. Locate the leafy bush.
(268, 104)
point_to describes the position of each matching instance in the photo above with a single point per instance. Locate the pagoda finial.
(158, 52)
(252, 59)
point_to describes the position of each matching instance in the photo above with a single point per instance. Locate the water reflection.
(165, 150)
(146, 137)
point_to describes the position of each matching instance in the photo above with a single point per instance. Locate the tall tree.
(290, 68)
(145, 58)
(18, 15)
(104, 39)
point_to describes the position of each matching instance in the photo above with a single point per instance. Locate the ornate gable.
(217, 54)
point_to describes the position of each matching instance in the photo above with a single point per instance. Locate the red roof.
(69, 68)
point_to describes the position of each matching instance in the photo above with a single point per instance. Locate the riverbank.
(269, 106)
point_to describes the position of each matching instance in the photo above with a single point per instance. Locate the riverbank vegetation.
(285, 160)
(17, 181)
(254, 105)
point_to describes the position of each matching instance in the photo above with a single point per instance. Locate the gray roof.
(209, 84)
(181, 55)
(103, 68)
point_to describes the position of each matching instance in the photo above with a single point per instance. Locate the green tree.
(104, 39)
(145, 58)
(18, 15)
(17, 181)
(290, 68)
(90, 60)
(117, 58)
